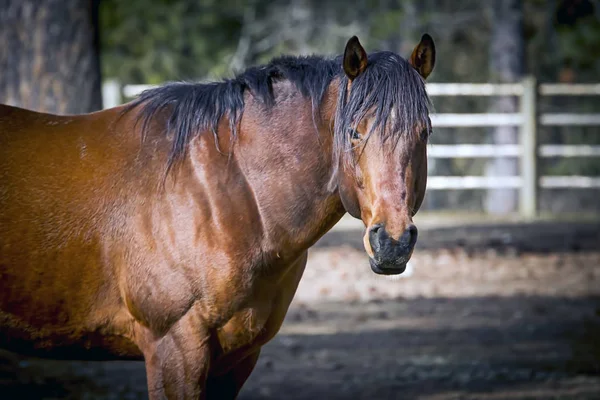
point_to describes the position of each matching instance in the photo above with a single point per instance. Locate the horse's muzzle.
(389, 255)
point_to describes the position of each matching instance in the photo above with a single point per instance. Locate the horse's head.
(381, 131)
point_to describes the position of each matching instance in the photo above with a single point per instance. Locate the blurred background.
(502, 297)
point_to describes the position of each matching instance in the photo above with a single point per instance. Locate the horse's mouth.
(387, 269)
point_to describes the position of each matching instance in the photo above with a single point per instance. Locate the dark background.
(489, 309)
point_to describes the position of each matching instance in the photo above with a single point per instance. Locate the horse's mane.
(389, 86)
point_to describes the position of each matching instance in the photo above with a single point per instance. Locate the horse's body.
(104, 255)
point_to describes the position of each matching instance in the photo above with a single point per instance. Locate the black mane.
(388, 85)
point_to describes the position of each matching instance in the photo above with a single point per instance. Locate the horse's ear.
(355, 58)
(423, 56)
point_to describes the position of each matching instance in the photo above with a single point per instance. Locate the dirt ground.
(487, 312)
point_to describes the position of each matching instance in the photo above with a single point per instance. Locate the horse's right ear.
(355, 58)
(423, 56)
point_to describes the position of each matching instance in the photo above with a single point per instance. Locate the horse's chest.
(257, 323)
(244, 329)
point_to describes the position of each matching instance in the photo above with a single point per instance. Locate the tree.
(49, 58)
(506, 64)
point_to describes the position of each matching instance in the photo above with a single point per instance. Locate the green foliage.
(151, 42)
(159, 40)
(579, 46)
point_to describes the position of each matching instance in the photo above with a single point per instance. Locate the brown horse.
(175, 229)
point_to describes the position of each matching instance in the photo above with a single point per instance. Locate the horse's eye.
(425, 135)
(354, 135)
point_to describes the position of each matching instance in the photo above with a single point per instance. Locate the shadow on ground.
(516, 347)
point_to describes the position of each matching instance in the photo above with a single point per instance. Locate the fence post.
(111, 93)
(529, 146)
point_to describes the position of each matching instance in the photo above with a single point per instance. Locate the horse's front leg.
(228, 385)
(177, 363)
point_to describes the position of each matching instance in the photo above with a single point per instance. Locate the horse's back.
(52, 162)
(56, 200)
(16, 121)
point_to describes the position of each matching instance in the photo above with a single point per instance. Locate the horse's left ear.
(423, 56)
(355, 58)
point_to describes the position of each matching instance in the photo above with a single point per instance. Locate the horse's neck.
(288, 166)
(296, 209)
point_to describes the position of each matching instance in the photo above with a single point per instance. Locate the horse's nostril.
(375, 229)
(413, 232)
(375, 237)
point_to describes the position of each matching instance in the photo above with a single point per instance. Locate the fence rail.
(527, 119)
(529, 151)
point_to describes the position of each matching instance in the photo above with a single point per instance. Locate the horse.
(174, 229)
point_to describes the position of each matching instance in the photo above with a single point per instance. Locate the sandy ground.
(487, 313)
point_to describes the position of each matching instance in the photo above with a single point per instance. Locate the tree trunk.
(49, 57)
(507, 60)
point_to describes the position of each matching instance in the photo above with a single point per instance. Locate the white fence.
(528, 120)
